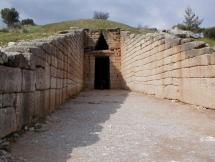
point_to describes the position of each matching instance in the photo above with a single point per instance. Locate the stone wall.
(37, 76)
(169, 67)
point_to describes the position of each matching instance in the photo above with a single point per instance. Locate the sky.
(152, 13)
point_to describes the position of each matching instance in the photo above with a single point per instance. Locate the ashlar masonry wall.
(37, 76)
(169, 67)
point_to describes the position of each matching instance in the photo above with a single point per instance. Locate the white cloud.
(155, 13)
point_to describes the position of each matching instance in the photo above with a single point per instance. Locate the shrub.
(4, 30)
(27, 22)
(10, 16)
(101, 15)
(181, 26)
(184, 27)
(210, 32)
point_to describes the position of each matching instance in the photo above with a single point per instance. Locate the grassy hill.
(34, 32)
(40, 31)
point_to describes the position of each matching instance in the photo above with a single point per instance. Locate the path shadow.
(77, 124)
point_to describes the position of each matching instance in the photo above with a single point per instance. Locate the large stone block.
(212, 59)
(54, 61)
(1, 101)
(38, 52)
(41, 108)
(47, 101)
(43, 78)
(10, 79)
(57, 97)
(197, 52)
(201, 72)
(171, 41)
(40, 79)
(53, 71)
(28, 80)
(198, 91)
(159, 92)
(38, 61)
(171, 92)
(25, 108)
(52, 100)
(59, 83)
(7, 121)
(53, 82)
(8, 100)
(197, 61)
(193, 45)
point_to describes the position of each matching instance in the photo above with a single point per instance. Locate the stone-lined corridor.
(121, 126)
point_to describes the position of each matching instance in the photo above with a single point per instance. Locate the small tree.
(10, 16)
(27, 22)
(210, 32)
(192, 22)
(101, 15)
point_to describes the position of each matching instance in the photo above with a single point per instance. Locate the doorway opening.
(101, 43)
(102, 73)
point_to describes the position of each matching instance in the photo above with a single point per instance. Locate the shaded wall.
(37, 76)
(169, 67)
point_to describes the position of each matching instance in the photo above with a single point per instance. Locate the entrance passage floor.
(121, 126)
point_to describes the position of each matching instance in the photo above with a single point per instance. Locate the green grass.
(41, 31)
(34, 32)
(210, 41)
(28, 33)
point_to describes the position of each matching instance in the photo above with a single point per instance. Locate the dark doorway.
(101, 43)
(102, 73)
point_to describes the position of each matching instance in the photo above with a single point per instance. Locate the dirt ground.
(121, 126)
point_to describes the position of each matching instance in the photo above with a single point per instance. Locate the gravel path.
(121, 126)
